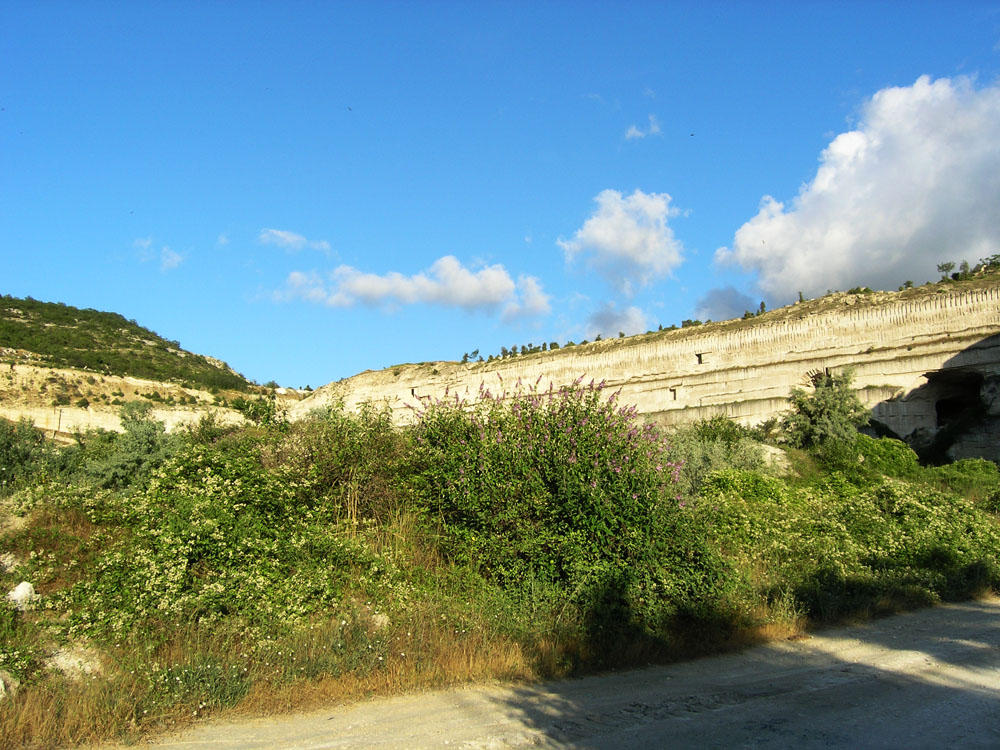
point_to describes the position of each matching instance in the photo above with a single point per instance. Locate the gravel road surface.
(927, 679)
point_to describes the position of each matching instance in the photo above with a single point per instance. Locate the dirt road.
(928, 679)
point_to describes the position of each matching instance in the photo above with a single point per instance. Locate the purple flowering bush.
(562, 489)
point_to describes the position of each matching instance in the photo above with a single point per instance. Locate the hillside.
(68, 370)
(52, 334)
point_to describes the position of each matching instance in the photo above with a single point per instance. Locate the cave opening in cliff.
(957, 398)
(958, 408)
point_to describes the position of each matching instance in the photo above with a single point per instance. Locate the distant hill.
(57, 335)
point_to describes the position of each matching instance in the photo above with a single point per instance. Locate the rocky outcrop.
(30, 391)
(22, 596)
(924, 360)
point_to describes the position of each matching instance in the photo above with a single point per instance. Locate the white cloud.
(530, 302)
(634, 132)
(627, 239)
(223, 239)
(917, 183)
(303, 285)
(290, 240)
(169, 259)
(447, 283)
(609, 321)
(724, 303)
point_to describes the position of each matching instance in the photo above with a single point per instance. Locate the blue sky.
(309, 190)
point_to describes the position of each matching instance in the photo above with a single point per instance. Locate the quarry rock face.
(926, 363)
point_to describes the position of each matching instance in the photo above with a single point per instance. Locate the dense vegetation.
(65, 336)
(525, 534)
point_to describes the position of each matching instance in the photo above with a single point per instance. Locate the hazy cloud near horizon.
(724, 303)
(915, 184)
(609, 321)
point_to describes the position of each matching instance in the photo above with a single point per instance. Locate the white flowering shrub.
(217, 535)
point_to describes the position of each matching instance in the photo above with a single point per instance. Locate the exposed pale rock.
(23, 595)
(775, 458)
(75, 662)
(8, 685)
(8, 561)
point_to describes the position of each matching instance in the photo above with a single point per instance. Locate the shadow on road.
(925, 679)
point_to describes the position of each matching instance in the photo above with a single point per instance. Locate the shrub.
(887, 456)
(548, 485)
(351, 462)
(563, 491)
(132, 456)
(262, 410)
(710, 446)
(217, 535)
(22, 449)
(972, 477)
(837, 548)
(833, 412)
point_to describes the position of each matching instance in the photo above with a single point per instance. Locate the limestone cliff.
(924, 360)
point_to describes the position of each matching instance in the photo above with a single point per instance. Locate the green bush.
(973, 477)
(887, 456)
(22, 452)
(552, 485)
(262, 410)
(564, 491)
(709, 446)
(837, 548)
(833, 412)
(128, 459)
(353, 463)
(217, 535)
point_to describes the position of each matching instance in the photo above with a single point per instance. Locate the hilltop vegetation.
(281, 564)
(56, 335)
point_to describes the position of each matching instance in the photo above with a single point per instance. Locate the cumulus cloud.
(608, 321)
(724, 303)
(634, 132)
(290, 240)
(627, 239)
(917, 183)
(529, 302)
(447, 283)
